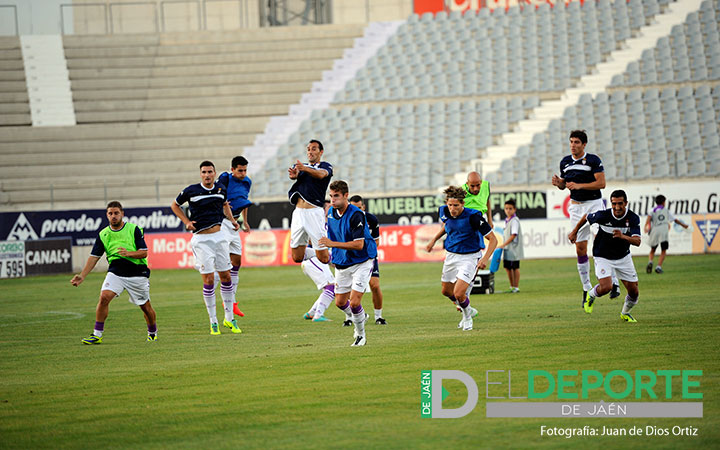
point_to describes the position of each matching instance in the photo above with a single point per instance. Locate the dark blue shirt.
(583, 171)
(462, 231)
(351, 226)
(605, 245)
(122, 267)
(237, 192)
(312, 190)
(373, 225)
(206, 205)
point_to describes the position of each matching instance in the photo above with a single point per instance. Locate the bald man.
(477, 196)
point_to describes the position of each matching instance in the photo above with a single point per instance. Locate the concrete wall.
(363, 11)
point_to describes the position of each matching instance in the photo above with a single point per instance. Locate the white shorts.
(212, 252)
(578, 210)
(318, 272)
(355, 277)
(233, 237)
(459, 266)
(624, 268)
(308, 224)
(137, 287)
(658, 235)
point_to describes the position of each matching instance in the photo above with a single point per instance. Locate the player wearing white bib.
(619, 228)
(208, 205)
(583, 174)
(124, 245)
(658, 225)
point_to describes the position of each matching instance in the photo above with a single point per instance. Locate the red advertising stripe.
(272, 247)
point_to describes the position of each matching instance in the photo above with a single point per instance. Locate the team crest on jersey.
(584, 161)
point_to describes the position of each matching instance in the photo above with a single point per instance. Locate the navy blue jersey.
(206, 205)
(122, 267)
(373, 225)
(583, 171)
(312, 190)
(464, 232)
(605, 245)
(351, 226)
(237, 192)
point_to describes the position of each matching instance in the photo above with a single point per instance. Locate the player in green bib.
(124, 245)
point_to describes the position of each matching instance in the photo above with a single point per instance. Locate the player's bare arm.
(492, 244)
(315, 173)
(431, 244)
(189, 224)
(293, 172)
(139, 254)
(352, 245)
(596, 185)
(573, 234)
(558, 182)
(633, 240)
(245, 225)
(228, 215)
(89, 266)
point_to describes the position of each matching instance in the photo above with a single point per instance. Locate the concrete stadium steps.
(14, 102)
(95, 115)
(157, 155)
(269, 73)
(298, 56)
(93, 166)
(264, 100)
(217, 37)
(203, 49)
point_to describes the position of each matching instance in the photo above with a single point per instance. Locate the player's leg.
(323, 278)
(508, 270)
(150, 319)
(343, 286)
(377, 299)
(223, 266)
(205, 264)
(603, 271)
(139, 291)
(583, 264)
(315, 227)
(651, 256)
(377, 296)
(298, 236)
(361, 274)
(236, 261)
(112, 287)
(516, 276)
(584, 234)
(663, 252)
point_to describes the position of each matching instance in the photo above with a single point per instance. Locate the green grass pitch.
(289, 383)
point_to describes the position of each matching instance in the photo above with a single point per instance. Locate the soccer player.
(308, 196)
(238, 186)
(512, 245)
(374, 226)
(583, 174)
(478, 196)
(619, 229)
(354, 250)
(208, 205)
(658, 225)
(124, 245)
(465, 229)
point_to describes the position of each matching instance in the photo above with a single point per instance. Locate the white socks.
(226, 292)
(209, 297)
(378, 313)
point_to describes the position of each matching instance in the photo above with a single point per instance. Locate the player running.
(465, 229)
(619, 229)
